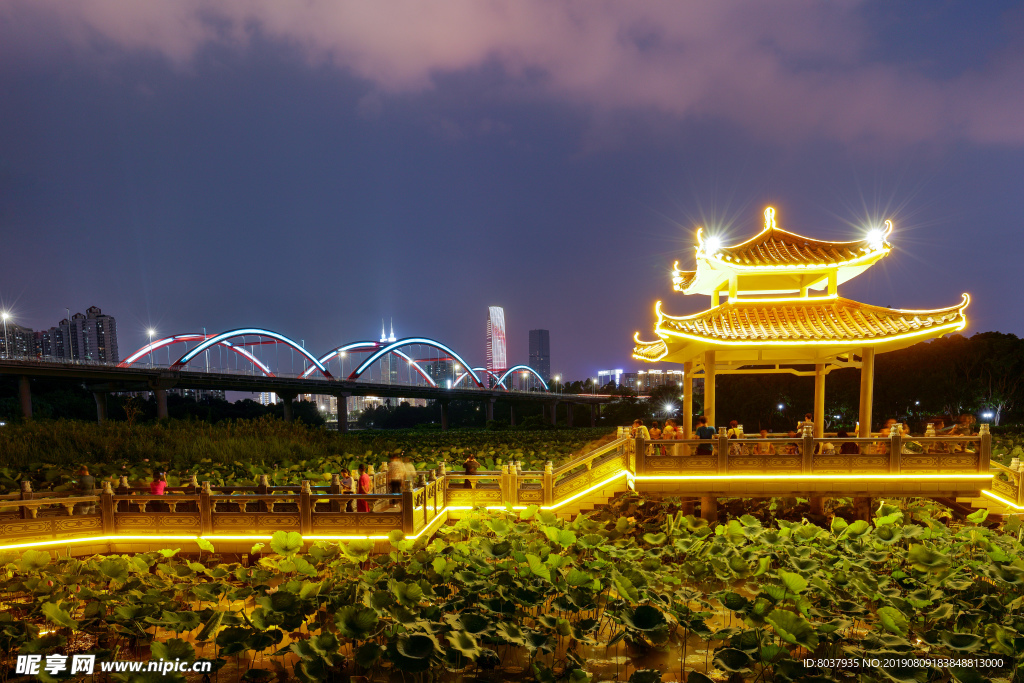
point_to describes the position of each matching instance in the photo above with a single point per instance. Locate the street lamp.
(152, 333)
(558, 384)
(7, 353)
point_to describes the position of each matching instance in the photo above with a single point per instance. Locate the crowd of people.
(789, 444)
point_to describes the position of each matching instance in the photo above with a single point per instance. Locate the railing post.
(408, 514)
(305, 509)
(122, 490)
(549, 483)
(723, 451)
(107, 509)
(807, 450)
(513, 485)
(895, 448)
(205, 509)
(26, 494)
(442, 473)
(641, 455)
(985, 453)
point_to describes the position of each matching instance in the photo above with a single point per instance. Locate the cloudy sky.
(312, 167)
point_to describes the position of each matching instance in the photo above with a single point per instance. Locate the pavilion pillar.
(867, 389)
(688, 400)
(709, 387)
(25, 394)
(819, 400)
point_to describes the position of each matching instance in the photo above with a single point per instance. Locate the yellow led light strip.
(1000, 499)
(845, 477)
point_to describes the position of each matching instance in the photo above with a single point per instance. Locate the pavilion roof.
(778, 260)
(827, 322)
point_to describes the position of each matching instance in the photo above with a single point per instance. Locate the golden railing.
(681, 466)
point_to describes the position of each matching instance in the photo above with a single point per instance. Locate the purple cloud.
(786, 70)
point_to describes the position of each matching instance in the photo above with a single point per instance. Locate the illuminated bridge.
(259, 360)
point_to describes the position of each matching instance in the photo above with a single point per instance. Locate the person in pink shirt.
(365, 485)
(158, 486)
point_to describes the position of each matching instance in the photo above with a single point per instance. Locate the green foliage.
(635, 571)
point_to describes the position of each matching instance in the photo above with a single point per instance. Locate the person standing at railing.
(764, 448)
(471, 466)
(410, 469)
(86, 486)
(656, 434)
(158, 487)
(348, 486)
(847, 447)
(396, 473)
(364, 486)
(638, 429)
(704, 432)
(671, 433)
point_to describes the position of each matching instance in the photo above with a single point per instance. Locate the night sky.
(313, 167)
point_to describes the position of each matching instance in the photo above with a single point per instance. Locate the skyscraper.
(86, 336)
(540, 352)
(496, 346)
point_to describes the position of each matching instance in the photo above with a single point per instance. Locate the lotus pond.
(633, 591)
(236, 453)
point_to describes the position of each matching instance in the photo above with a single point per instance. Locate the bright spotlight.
(876, 238)
(712, 244)
(669, 408)
(781, 407)
(151, 332)
(5, 315)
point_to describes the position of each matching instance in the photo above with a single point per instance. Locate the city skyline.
(159, 161)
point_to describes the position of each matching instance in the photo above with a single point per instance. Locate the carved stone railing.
(1008, 483)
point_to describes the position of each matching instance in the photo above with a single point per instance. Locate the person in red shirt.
(158, 486)
(364, 485)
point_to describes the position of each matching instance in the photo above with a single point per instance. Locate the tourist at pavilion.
(764, 448)
(410, 469)
(656, 434)
(638, 429)
(734, 433)
(158, 486)
(703, 431)
(847, 447)
(363, 485)
(671, 432)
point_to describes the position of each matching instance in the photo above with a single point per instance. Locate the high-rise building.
(540, 352)
(496, 341)
(389, 363)
(17, 341)
(86, 336)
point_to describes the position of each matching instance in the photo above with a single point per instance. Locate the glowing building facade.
(782, 313)
(496, 341)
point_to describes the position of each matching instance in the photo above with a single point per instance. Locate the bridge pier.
(25, 393)
(161, 403)
(512, 414)
(444, 415)
(101, 406)
(593, 415)
(489, 409)
(554, 414)
(286, 406)
(342, 412)
(568, 415)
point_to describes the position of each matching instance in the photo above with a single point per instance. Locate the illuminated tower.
(388, 364)
(776, 308)
(496, 347)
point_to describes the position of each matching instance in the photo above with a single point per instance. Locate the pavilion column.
(688, 400)
(709, 387)
(867, 389)
(819, 400)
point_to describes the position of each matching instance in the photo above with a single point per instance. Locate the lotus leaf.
(58, 615)
(793, 628)
(464, 643)
(286, 543)
(731, 659)
(537, 567)
(925, 559)
(171, 649)
(961, 642)
(645, 676)
(355, 622)
(892, 620)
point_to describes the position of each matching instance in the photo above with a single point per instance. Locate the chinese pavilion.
(781, 311)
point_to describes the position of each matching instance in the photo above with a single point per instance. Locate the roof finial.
(769, 218)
